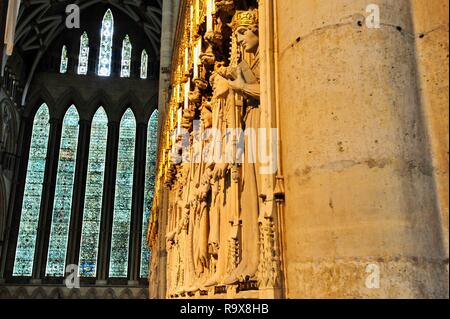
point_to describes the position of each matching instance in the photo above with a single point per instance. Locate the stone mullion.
(48, 194)
(13, 224)
(108, 202)
(76, 220)
(137, 204)
(3, 14)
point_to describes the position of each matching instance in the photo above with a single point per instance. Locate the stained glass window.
(64, 60)
(29, 218)
(94, 193)
(152, 135)
(104, 59)
(63, 195)
(83, 57)
(123, 195)
(144, 64)
(126, 58)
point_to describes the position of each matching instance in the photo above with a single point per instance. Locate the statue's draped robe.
(250, 194)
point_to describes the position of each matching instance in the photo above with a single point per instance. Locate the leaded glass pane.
(126, 58)
(106, 38)
(144, 64)
(64, 60)
(123, 195)
(29, 218)
(83, 58)
(63, 195)
(94, 194)
(152, 135)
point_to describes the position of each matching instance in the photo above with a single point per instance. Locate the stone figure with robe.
(242, 81)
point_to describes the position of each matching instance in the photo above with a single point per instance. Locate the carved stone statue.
(244, 80)
(214, 234)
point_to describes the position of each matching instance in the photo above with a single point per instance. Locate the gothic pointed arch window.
(125, 69)
(144, 64)
(94, 195)
(29, 218)
(64, 60)
(152, 146)
(83, 57)
(123, 197)
(62, 203)
(106, 39)
(84, 195)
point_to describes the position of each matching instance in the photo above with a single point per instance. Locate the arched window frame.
(92, 211)
(120, 238)
(144, 64)
(125, 67)
(54, 170)
(106, 41)
(64, 60)
(150, 167)
(62, 203)
(31, 201)
(83, 57)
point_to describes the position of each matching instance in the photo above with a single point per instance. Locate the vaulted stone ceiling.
(41, 21)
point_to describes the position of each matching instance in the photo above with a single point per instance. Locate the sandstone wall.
(364, 147)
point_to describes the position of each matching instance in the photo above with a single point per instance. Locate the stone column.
(169, 21)
(137, 204)
(13, 222)
(431, 34)
(48, 195)
(360, 187)
(161, 288)
(108, 202)
(168, 24)
(76, 220)
(3, 11)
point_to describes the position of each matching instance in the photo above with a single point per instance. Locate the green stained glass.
(83, 58)
(106, 39)
(63, 195)
(126, 58)
(64, 60)
(94, 194)
(144, 64)
(152, 136)
(123, 195)
(29, 218)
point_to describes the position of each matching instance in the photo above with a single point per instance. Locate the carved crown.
(244, 18)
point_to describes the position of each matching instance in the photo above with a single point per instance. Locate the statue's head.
(248, 38)
(245, 27)
(206, 114)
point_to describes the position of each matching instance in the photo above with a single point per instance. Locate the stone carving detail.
(6, 122)
(216, 237)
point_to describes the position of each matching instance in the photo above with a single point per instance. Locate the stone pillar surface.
(361, 192)
(431, 32)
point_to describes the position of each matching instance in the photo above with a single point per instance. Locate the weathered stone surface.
(359, 176)
(362, 181)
